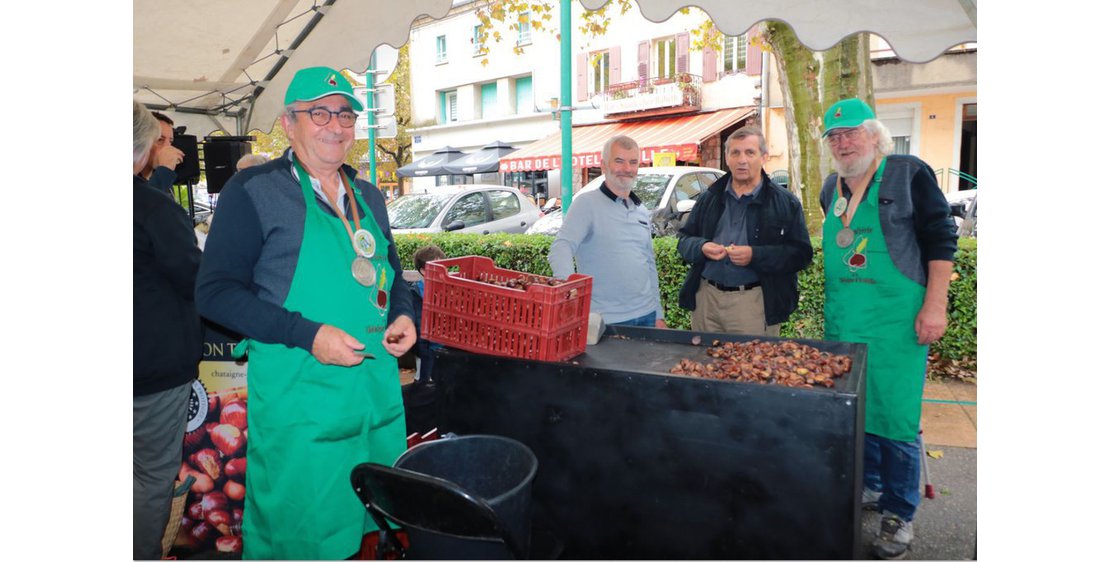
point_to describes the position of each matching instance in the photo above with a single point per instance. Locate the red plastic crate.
(543, 322)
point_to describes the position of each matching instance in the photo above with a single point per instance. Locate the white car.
(962, 205)
(478, 208)
(667, 192)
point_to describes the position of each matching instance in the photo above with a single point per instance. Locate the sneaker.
(871, 499)
(894, 538)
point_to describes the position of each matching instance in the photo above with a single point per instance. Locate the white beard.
(857, 167)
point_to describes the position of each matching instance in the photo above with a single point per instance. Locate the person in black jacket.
(746, 241)
(167, 342)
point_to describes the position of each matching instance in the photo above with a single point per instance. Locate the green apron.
(309, 423)
(868, 300)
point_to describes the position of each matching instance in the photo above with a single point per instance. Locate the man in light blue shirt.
(607, 232)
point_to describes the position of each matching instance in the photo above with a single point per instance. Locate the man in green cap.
(889, 243)
(300, 259)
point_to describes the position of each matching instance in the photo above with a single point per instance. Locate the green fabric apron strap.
(868, 300)
(310, 423)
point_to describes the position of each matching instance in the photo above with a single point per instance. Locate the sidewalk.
(945, 527)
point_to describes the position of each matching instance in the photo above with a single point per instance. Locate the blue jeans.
(893, 468)
(645, 320)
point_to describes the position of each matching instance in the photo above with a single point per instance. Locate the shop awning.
(681, 135)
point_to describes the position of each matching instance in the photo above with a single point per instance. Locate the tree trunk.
(811, 82)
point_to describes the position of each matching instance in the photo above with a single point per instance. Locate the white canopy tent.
(218, 65)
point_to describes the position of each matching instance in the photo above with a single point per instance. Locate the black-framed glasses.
(322, 116)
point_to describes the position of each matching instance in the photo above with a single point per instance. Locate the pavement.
(945, 527)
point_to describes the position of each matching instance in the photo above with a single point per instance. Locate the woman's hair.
(146, 130)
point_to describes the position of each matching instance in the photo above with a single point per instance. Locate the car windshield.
(650, 187)
(416, 210)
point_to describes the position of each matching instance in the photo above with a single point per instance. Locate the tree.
(811, 82)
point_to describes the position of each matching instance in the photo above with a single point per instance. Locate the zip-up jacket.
(778, 237)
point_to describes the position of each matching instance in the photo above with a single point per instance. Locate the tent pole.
(565, 32)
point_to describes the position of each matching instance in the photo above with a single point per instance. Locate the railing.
(670, 94)
(944, 175)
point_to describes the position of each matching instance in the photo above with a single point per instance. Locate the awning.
(480, 162)
(681, 135)
(432, 164)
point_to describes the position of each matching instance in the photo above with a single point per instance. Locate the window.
(599, 71)
(524, 29)
(524, 95)
(735, 53)
(504, 204)
(901, 145)
(477, 41)
(470, 209)
(688, 187)
(489, 100)
(664, 57)
(441, 49)
(449, 106)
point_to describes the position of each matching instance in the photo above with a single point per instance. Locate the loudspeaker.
(189, 168)
(220, 157)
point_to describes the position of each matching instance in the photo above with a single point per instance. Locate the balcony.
(679, 93)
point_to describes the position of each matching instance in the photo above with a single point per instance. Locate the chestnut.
(213, 407)
(228, 439)
(236, 468)
(195, 439)
(202, 531)
(230, 543)
(234, 413)
(204, 483)
(213, 501)
(195, 511)
(208, 462)
(220, 519)
(234, 491)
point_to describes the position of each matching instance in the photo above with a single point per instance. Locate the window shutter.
(708, 64)
(643, 52)
(583, 62)
(614, 65)
(755, 56)
(682, 45)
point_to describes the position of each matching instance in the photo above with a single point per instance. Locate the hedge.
(523, 252)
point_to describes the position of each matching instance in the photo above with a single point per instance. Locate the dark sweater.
(251, 254)
(167, 329)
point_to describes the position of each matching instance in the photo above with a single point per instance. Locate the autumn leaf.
(935, 454)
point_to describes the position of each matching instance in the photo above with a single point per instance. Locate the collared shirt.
(733, 229)
(609, 237)
(341, 193)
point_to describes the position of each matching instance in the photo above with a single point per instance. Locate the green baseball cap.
(318, 82)
(847, 114)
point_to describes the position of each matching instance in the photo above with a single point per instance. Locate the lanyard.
(842, 203)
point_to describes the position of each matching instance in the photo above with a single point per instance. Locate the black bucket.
(497, 469)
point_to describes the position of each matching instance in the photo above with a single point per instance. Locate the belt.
(726, 288)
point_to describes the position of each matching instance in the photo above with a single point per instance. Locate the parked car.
(668, 193)
(962, 205)
(476, 208)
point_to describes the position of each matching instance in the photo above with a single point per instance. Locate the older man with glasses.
(889, 243)
(300, 259)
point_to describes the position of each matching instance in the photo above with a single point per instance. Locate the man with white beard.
(889, 243)
(608, 233)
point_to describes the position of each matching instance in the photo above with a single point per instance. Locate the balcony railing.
(678, 93)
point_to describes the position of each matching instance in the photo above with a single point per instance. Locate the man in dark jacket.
(167, 338)
(746, 241)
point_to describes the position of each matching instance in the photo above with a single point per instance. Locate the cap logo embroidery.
(837, 114)
(331, 80)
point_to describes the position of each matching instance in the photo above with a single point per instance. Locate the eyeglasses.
(322, 116)
(845, 135)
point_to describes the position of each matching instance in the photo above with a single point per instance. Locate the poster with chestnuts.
(215, 453)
